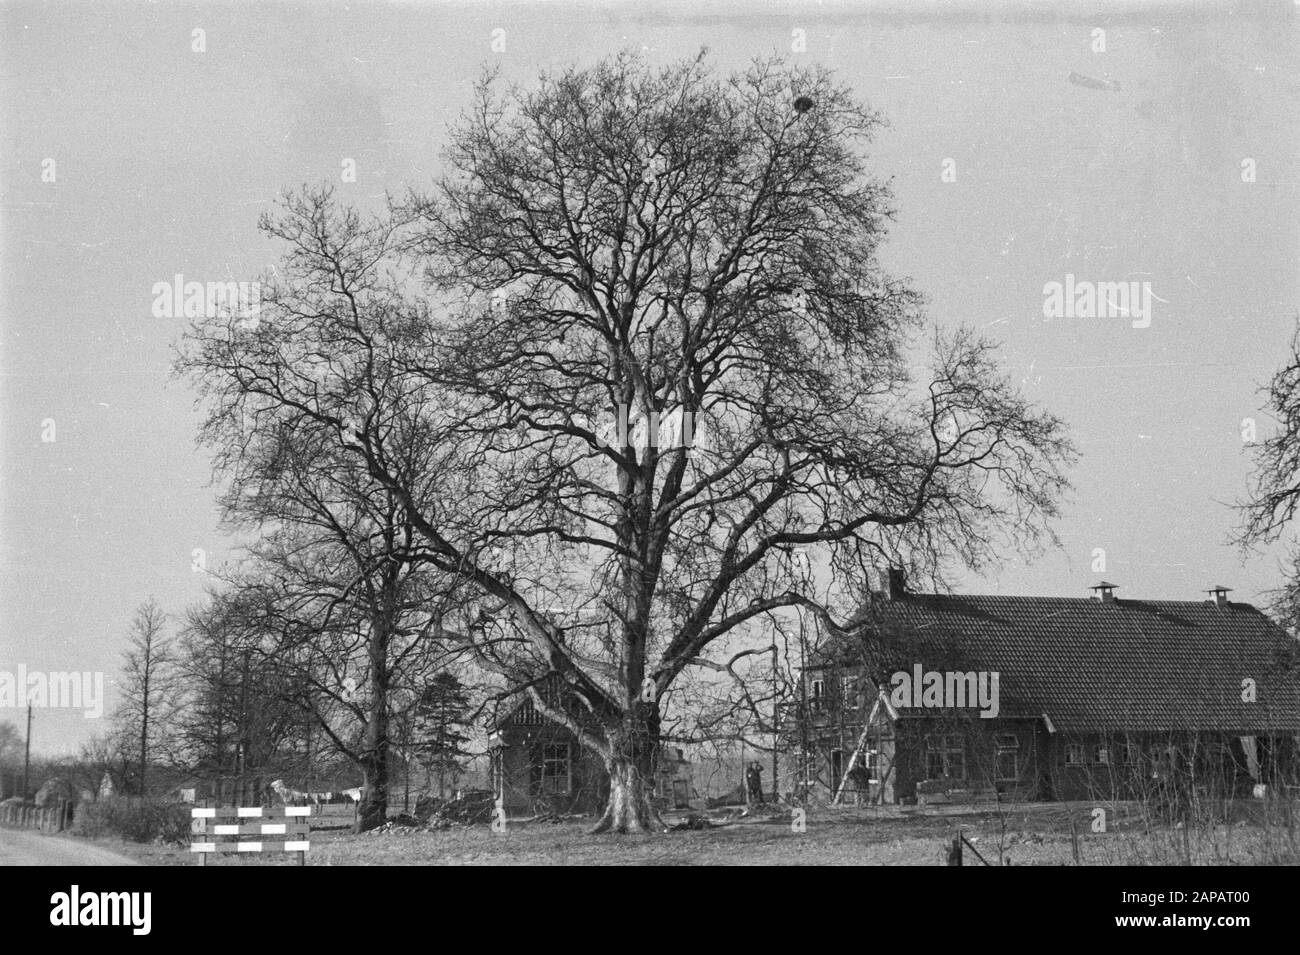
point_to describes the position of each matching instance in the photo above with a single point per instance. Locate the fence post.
(954, 851)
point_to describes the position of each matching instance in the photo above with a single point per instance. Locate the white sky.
(164, 157)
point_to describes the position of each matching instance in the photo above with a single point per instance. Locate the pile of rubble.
(557, 817)
(432, 814)
(694, 820)
(396, 827)
(471, 807)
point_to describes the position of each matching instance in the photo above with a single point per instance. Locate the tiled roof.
(1138, 665)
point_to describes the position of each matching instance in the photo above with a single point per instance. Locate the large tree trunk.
(373, 811)
(631, 767)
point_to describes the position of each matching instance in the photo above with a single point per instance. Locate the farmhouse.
(538, 765)
(1090, 698)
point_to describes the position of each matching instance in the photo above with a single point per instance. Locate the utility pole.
(27, 752)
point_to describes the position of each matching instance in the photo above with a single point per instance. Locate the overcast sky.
(163, 157)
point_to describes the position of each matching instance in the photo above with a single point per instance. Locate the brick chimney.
(1104, 591)
(1219, 594)
(896, 583)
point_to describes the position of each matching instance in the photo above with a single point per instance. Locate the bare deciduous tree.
(1271, 504)
(147, 680)
(1276, 492)
(628, 245)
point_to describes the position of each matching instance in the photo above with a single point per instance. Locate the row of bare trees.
(256, 682)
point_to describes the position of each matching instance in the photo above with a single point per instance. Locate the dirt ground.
(25, 847)
(1035, 834)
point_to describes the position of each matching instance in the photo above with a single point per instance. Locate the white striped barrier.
(229, 830)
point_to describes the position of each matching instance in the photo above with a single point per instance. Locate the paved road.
(23, 847)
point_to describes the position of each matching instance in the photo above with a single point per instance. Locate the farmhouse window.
(849, 692)
(1074, 754)
(496, 771)
(556, 769)
(1101, 754)
(945, 757)
(1008, 756)
(816, 692)
(1131, 754)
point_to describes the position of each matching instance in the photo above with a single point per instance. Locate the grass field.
(1037, 834)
